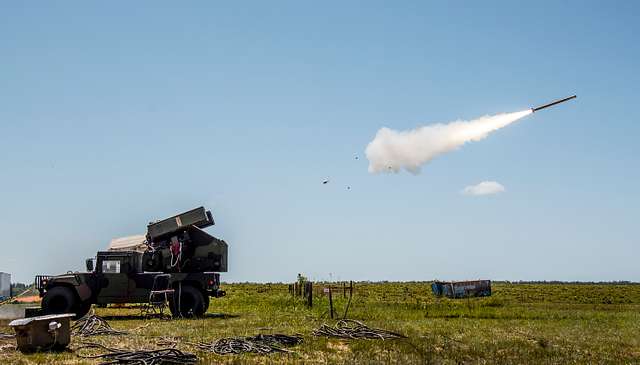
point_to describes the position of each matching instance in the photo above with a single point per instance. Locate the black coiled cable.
(93, 325)
(259, 344)
(137, 357)
(349, 328)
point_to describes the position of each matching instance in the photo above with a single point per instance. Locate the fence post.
(310, 294)
(346, 309)
(344, 290)
(330, 303)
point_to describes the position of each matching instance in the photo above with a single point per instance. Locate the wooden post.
(344, 290)
(330, 303)
(346, 309)
(310, 294)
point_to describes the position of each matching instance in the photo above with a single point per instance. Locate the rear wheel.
(187, 302)
(58, 300)
(206, 298)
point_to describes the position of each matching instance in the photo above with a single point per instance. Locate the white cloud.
(484, 188)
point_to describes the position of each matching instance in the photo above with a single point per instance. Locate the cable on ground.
(352, 329)
(113, 355)
(259, 344)
(93, 325)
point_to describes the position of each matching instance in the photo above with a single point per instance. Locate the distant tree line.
(618, 282)
(17, 288)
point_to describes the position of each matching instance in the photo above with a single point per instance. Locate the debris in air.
(326, 181)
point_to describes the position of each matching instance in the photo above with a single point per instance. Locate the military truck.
(177, 249)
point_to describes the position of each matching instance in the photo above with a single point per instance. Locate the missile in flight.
(552, 103)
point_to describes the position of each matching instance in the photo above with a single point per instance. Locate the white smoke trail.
(393, 150)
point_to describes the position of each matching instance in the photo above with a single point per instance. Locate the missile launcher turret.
(179, 244)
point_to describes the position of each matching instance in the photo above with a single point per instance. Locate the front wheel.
(187, 302)
(60, 300)
(83, 309)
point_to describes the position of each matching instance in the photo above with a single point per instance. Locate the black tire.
(206, 298)
(189, 300)
(83, 309)
(59, 299)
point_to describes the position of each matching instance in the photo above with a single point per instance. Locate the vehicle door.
(114, 282)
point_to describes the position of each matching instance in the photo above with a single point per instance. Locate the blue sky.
(116, 114)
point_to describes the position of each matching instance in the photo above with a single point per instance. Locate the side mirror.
(89, 265)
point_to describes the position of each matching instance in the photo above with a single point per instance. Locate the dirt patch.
(339, 346)
(29, 299)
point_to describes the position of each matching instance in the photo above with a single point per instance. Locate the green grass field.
(520, 323)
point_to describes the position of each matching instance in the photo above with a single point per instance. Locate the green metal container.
(43, 333)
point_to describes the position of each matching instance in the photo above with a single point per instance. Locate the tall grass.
(520, 323)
